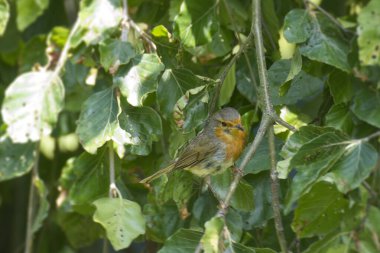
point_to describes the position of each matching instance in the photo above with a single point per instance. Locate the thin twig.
(369, 137)
(223, 74)
(143, 35)
(265, 122)
(275, 195)
(328, 15)
(65, 51)
(125, 24)
(31, 202)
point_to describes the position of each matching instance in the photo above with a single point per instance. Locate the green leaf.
(90, 177)
(301, 137)
(98, 120)
(242, 199)
(142, 126)
(320, 211)
(260, 161)
(43, 204)
(324, 244)
(295, 66)
(326, 44)
(15, 159)
(183, 241)
(162, 220)
(121, 218)
(191, 109)
(340, 85)
(196, 22)
(239, 13)
(179, 188)
(28, 11)
(80, 230)
(4, 15)
(245, 84)
(262, 197)
(228, 87)
(31, 105)
(302, 87)
(139, 78)
(356, 164)
(312, 160)
(187, 240)
(97, 17)
(369, 36)
(114, 52)
(366, 106)
(172, 86)
(211, 238)
(340, 117)
(297, 26)
(319, 151)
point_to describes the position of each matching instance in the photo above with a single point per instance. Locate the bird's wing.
(196, 153)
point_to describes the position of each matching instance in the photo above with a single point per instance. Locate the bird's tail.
(158, 174)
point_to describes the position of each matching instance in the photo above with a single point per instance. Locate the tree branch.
(124, 22)
(31, 203)
(275, 195)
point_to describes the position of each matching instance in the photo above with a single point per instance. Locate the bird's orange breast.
(234, 141)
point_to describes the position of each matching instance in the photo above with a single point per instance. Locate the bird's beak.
(240, 127)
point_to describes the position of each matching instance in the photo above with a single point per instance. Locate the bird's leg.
(237, 170)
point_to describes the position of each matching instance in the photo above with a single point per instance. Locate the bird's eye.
(224, 124)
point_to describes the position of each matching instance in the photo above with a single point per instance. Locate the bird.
(213, 150)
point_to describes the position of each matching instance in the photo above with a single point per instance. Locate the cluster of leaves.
(139, 83)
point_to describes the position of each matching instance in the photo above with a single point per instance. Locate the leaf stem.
(31, 202)
(65, 51)
(328, 15)
(113, 190)
(124, 24)
(371, 136)
(275, 193)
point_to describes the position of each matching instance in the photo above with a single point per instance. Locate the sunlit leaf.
(31, 105)
(369, 36)
(121, 218)
(211, 239)
(96, 18)
(139, 78)
(15, 159)
(98, 120)
(4, 15)
(28, 11)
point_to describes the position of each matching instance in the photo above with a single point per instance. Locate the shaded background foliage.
(102, 93)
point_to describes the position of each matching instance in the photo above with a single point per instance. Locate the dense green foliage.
(94, 99)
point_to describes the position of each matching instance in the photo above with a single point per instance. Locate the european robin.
(213, 150)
